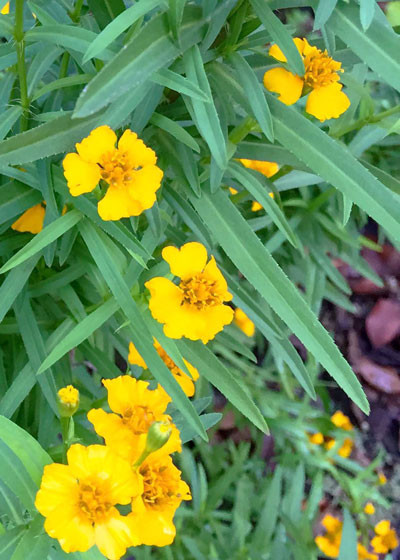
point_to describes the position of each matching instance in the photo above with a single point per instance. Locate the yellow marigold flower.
(385, 539)
(195, 307)
(68, 400)
(78, 501)
(345, 450)
(267, 168)
(6, 8)
(330, 542)
(363, 553)
(32, 220)
(369, 508)
(129, 170)
(326, 99)
(342, 421)
(256, 206)
(184, 380)
(135, 409)
(382, 478)
(316, 439)
(153, 511)
(244, 323)
(232, 190)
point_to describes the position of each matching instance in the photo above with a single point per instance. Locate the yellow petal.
(244, 323)
(187, 261)
(328, 102)
(213, 273)
(153, 527)
(99, 142)
(139, 154)
(166, 297)
(276, 52)
(74, 533)
(383, 527)
(117, 204)
(6, 8)
(114, 537)
(135, 358)
(57, 487)
(288, 85)
(256, 206)
(144, 186)
(82, 177)
(31, 220)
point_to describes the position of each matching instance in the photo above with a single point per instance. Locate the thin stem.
(242, 130)
(20, 46)
(75, 15)
(64, 64)
(368, 120)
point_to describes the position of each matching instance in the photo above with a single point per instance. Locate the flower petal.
(144, 185)
(288, 85)
(213, 273)
(117, 204)
(328, 102)
(56, 489)
(153, 527)
(72, 531)
(82, 177)
(166, 298)
(100, 141)
(277, 53)
(140, 155)
(135, 358)
(187, 261)
(31, 220)
(114, 536)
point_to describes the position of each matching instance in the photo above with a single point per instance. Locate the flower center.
(321, 69)
(200, 292)
(138, 418)
(171, 365)
(159, 486)
(92, 502)
(116, 168)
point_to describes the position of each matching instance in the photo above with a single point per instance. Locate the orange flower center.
(159, 486)
(116, 168)
(171, 365)
(138, 418)
(92, 502)
(321, 69)
(200, 292)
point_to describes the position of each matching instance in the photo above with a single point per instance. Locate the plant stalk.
(19, 36)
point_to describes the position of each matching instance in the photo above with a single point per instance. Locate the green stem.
(65, 428)
(64, 65)
(20, 46)
(75, 15)
(242, 130)
(368, 120)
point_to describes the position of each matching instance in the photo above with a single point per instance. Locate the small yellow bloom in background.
(382, 478)
(153, 511)
(135, 408)
(68, 400)
(369, 508)
(267, 168)
(329, 543)
(326, 99)
(78, 501)
(385, 539)
(195, 307)
(363, 553)
(130, 172)
(232, 190)
(256, 206)
(181, 377)
(316, 439)
(345, 450)
(342, 421)
(244, 323)
(6, 8)
(31, 220)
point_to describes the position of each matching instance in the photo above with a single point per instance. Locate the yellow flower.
(330, 542)
(6, 9)
(68, 400)
(136, 407)
(31, 220)
(232, 190)
(369, 508)
(244, 323)
(267, 168)
(78, 501)
(386, 538)
(316, 439)
(382, 478)
(184, 380)
(345, 450)
(153, 511)
(129, 170)
(195, 307)
(342, 421)
(321, 80)
(363, 553)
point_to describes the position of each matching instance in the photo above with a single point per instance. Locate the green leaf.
(15, 198)
(172, 80)
(367, 12)
(334, 163)
(280, 35)
(323, 13)
(100, 248)
(252, 259)
(175, 14)
(255, 94)
(269, 515)
(49, 234)
(14, 283)
(151, 49)
(118, 25)
(348, 543)
(69, 81)
(8, 118)
(377, 46)
(206, 116)
(175, 130)
(212, 369)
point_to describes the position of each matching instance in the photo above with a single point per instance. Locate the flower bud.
(157, 436)
(68, 401)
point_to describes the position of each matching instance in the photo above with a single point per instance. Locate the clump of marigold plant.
(129, 171)
(195, 308)
(342, 422)
(320, 82)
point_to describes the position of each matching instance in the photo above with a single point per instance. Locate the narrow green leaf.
(69, 81)
(269, 515)
(14, 283)
(8, 118)
(175, 14)
(49, 234)
(367, 12)
(15, 198)
(172, 80)
(348, 543)
(175, 130)
(257, 265)
(323, 13)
